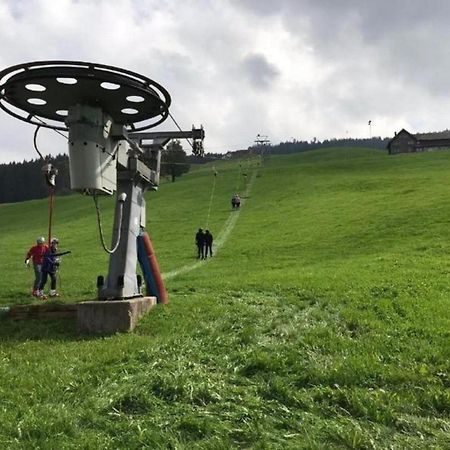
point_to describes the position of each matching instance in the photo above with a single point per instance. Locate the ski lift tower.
(99, 106)
(262, 144)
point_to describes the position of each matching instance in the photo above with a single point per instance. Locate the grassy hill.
(323, 321)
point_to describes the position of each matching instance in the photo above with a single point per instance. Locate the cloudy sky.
(286, 69)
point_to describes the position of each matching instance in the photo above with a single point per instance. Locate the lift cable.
(179, 128)
(211, 197)
(56, 131)
(36, 133)
(238, 181)
(35, 142)
(100, 228)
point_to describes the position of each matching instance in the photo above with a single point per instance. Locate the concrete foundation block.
(43, 311)
(112, 316)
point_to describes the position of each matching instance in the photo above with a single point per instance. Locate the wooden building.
(405, 142)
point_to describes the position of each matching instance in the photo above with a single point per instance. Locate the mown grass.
(323, 322)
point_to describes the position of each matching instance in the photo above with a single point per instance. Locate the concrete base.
(112, 316)
(43, 311)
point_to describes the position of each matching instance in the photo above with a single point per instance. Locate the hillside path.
(221, 239)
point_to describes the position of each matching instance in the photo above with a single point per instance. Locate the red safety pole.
(163, 297)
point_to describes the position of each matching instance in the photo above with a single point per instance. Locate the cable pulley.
(49, 89)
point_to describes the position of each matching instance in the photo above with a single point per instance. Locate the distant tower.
(262, 145)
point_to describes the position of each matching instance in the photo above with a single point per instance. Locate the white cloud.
(291, 68)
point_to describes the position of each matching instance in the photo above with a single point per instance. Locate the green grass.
(323, 322)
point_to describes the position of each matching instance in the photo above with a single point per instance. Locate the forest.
(20, 181)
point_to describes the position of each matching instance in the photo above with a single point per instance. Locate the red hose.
(51, 203)
(163, 297)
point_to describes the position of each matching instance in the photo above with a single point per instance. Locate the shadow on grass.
(62, 329)
(50, 330)
(58, 329)
(38, 330)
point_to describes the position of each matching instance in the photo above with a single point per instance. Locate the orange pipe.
(163, 297)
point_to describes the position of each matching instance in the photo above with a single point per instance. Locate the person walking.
(235, 201)
(36, 254)
(50, 266)
(200, 243)
(208, 243)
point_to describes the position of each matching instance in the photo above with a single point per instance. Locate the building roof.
(397, 135)
(431, 136)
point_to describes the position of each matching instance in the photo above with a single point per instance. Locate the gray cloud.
(404, 39)
(259, 71)
(298, 68)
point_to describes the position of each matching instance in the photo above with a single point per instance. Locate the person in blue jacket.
(49, 268)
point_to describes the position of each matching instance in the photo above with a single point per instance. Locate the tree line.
(20, 181)
(296, 146)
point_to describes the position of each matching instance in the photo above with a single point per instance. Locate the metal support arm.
(195, 133)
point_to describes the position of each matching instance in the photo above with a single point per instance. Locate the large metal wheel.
(42, 93)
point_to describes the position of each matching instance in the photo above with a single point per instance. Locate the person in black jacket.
(208, 243)
(200, 243)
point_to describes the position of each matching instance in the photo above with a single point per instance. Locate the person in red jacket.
(49, 268)
(36, 254)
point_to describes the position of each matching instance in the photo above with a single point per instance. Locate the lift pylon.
(100, 106)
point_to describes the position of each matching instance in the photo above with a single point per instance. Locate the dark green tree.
(174, 160)
(21, 181)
